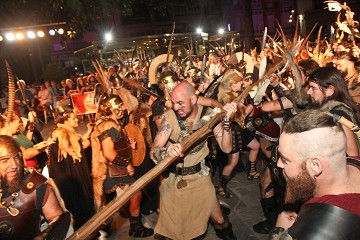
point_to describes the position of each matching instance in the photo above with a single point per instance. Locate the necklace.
(3, 204)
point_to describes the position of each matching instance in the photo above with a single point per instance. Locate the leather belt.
(188, 170)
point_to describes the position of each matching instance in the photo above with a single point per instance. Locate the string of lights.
(32, 32)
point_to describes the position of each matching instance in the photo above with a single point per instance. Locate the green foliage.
(54, 72)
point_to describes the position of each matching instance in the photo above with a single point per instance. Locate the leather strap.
(188, 170)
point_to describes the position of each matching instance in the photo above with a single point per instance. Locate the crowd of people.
(299, 119)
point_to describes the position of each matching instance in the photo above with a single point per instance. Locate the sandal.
(222, 192)
(253, 174)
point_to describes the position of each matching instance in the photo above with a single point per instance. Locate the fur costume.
(68, 142)
(99, 166)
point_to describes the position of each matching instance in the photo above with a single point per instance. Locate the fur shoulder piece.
(68, 142)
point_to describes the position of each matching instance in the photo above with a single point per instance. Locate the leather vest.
(117, 168)
(324, 221)
(26, 225)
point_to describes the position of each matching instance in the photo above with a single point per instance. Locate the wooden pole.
(107, 211)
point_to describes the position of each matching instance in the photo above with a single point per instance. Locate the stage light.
(10, 36)
(108, 37)
(199, 30)
(1, 38)
(30, 34)
(334, 6)
(52, 32)
(19, 36)
(221, 31)
(40, 34)
(61, 31)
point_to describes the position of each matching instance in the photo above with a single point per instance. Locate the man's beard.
(313, 104)
(187, 115)
(301, 187)
(13, 185)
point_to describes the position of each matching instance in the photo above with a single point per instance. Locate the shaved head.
(185, 88)
(184, 100)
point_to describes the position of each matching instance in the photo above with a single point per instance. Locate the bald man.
(187, 195)
(312, 154)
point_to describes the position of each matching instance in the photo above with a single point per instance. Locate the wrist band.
(226, 125)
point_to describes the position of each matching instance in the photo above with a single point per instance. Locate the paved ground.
(245, 205)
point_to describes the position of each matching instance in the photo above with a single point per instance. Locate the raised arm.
(222, 131)
(157, 152)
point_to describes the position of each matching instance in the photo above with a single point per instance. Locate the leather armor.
(117, 167)
(324, 221)
(26, 224)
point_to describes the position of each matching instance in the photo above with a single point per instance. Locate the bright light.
(221, 31)
(52, 32)
(108, 37)
(61, 31)
(31, 34)
(199, 30)
(290, 20)
(19, 35)
(1, 38)
(40, 34)
(334, 6)
(10, 36)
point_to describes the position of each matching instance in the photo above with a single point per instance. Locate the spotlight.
(221, 31)
(108, 37)
(19, 36)
(30, 34)
(60, 31)
(334, 6)
(1, 38)
(199, 30)
(52, 32)
(10, 36)
(40, 34)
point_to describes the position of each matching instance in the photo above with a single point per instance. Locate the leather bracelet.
(226, 125)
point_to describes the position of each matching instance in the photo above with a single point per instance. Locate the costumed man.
(23, 98)
(187, 195)
(312, 154)
(24, 198)
(111, 163)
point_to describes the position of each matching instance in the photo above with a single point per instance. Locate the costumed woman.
(12, 127)
(69, 168)
(242, 137)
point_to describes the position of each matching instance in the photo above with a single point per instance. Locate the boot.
(222, 190)
(224, 231)
(253, 173)
(225, 208)
(137, 229)
(270, 210)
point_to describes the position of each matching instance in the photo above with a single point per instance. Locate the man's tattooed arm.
(157, 152)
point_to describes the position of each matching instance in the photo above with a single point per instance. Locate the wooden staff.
(107, 211)
(170, 46)
(200, 135)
